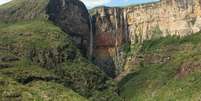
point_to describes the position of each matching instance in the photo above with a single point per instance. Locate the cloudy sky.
(94, 3)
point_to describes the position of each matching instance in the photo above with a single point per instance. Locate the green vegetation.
(39, 62)
(10, 90)
(40, 34)
(108, 94)
(44, 52)
(126, 48)
(131, 49)
(169, 71)
(82, 76)
(24, 10)
(157, 33)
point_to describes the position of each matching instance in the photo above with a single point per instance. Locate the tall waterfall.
(125, 26)
(91, 38)
(116, 22)
(116, 58)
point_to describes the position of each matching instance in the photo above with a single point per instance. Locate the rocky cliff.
(72, 16)
(109, 36)
(36, 37)
(40, 61)
(64, 13)
(134, 24)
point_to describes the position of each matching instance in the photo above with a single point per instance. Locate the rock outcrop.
(70, 15)
(134, 24)
(40, 33)
(109, 29)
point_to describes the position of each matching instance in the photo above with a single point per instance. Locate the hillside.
(34, 49)
(36, 91)
(117, 26)
(54, 50)
(169, 68)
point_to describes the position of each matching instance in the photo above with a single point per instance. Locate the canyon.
(115, 27)
(57, 50)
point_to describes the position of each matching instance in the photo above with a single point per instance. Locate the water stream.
(125, 26)
(116, 58)
(91, 38)
(116, 22)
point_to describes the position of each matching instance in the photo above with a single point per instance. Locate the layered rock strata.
(134, 24)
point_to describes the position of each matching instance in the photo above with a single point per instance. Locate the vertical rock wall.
(73, 17)
(117, 26)
(110, 35)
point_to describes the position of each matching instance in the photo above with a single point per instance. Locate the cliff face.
(134, 24)
(70, 15)
(110, 35)
(38, 33)
(176, 17)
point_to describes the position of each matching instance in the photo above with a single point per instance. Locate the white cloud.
(4, 1)
(93, 3)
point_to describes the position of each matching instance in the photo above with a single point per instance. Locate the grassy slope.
(10, 90)
(15, 41)
(18, 10)
(38, 33)
(43, 51)
(170, 70)
(21, 38)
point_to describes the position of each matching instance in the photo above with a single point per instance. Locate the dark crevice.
(5, 65)
(31, 78)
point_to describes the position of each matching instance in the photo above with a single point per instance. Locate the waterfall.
(102, 15)
(116, 58)
(91, 38)
(125, 25)
(63, 3)
(116, 22)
